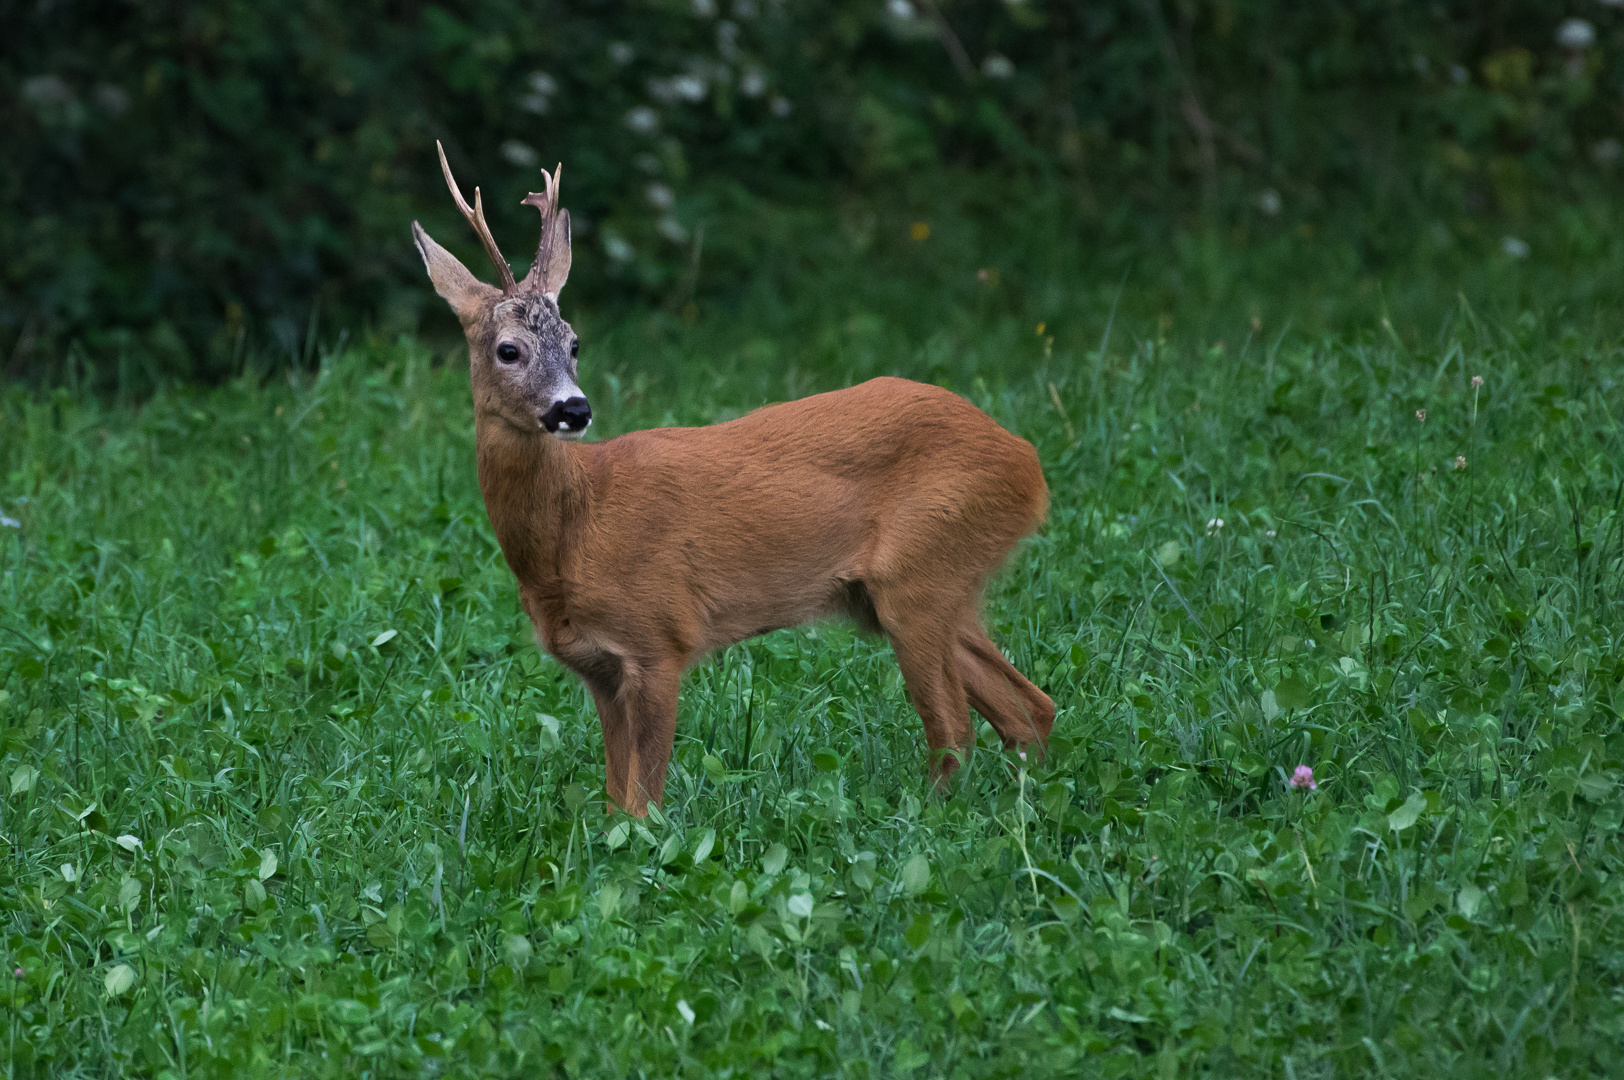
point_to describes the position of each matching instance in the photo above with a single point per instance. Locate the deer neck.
(536, 494)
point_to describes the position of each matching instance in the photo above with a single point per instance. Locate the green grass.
(247, 832)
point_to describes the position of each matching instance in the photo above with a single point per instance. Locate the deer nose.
(571, 415)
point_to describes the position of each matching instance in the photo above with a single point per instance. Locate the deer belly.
(759, 609)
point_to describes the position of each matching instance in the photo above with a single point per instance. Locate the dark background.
(185, 185)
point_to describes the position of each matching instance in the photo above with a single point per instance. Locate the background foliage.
(187, 184)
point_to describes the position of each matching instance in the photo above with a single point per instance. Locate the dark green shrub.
(185, 183)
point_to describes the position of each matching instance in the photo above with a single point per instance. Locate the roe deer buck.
(889, 502)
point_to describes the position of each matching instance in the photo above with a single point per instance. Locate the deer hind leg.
(923, 644)
(1022, 714)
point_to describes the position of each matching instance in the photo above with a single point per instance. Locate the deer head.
(521, 352)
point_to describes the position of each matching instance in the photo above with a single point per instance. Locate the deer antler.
(476, 217)
(545, 201)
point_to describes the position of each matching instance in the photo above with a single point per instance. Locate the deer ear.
(558, 255)
(467, 295)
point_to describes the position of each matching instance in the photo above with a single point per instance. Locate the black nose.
(571, 414)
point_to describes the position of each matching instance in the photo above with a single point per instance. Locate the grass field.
(288, 791)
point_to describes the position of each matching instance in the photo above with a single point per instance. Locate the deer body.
(889, 502)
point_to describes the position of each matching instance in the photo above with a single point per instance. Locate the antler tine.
(546, 201)
(476, 217)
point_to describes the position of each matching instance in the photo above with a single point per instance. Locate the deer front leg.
(645, 727)
(617, 742)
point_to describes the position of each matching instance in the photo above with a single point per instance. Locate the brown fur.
(889, 502)
(638, 556)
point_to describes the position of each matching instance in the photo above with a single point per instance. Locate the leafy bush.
(185, 183)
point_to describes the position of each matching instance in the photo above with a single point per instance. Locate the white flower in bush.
(642, 119)
(727, 40)
(690, 88)
(519, 153)
(672, 229)
(1575, 34)
(540, 96)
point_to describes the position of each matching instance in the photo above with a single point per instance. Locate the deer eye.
(507, 352)
(575, 348)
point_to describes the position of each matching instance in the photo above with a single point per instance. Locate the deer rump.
(890, 502)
